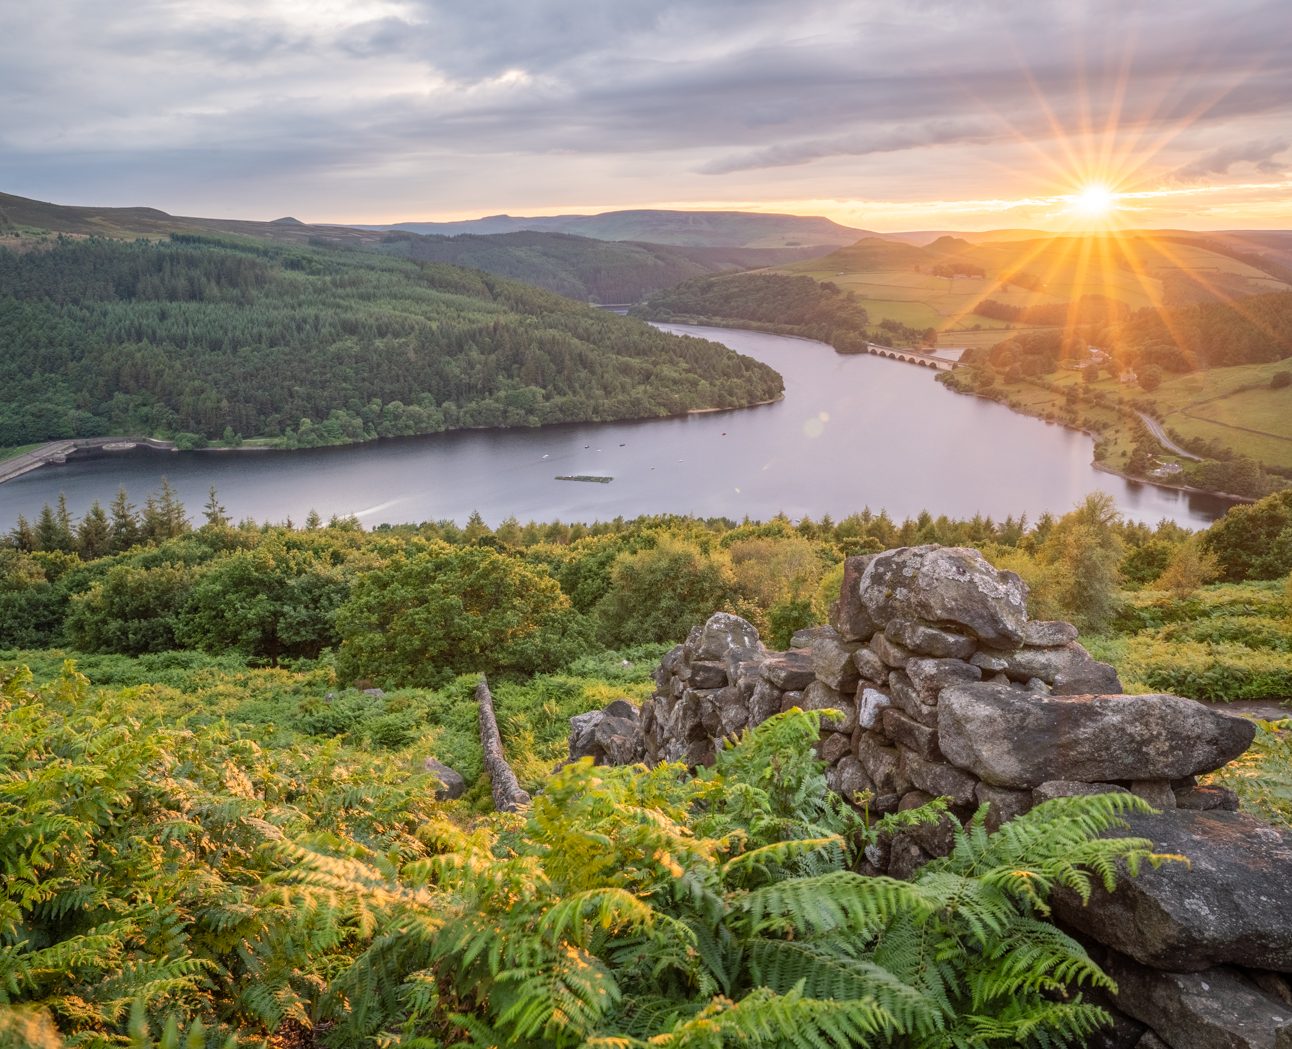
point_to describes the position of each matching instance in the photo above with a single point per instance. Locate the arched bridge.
(928, 360)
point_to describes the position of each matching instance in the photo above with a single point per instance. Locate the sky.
(888, 115)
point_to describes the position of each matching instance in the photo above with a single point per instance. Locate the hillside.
(581, 267)
(223, 338)
(725, 229)
(955, 283)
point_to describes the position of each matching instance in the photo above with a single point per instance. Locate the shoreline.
(52, 453)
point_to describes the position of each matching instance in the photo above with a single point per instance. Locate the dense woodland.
(778, 303)
(225, 339)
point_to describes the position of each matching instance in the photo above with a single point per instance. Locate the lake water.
(851, 432)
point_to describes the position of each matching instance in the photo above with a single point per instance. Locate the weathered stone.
(905, 857)
(668, 666)
(930, 676)
(1228, 905)
(1012, 738)
(618, 741)
(1122, 1033)
(733, 714)
(883, 766)
(1275, 985)
(622, 708)
(989, 661)
(452, 785)
(1157, 792)
(764, 702)
(1204, 799)
(806, 637)
(706, 675)
(1216, 1009)
(582, 727)
(1069, 669)
(790, 700)
(939, 779)
(852, 778)
(889, 653)
(832, 661)
(721, 633)
(1148, 1040)
(1003, 804)
(691, 646)
(946, 586)
(917, 738)
(870, 666)
(1045, 633)
(906, 699)
(848, 615)
(871, 703)
(1037, 687)
(820, 696)
(833, 746)
(936, 837)
(790, 670)
(914, 799)
(1066, 788)
(926, 640)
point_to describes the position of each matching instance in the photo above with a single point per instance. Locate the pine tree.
(94, 533)
(125, 523)
(21, 536)
(53, 529)
(214, 514)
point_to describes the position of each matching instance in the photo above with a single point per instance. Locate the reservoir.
(851, 432)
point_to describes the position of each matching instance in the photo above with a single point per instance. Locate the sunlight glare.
(1094, 201)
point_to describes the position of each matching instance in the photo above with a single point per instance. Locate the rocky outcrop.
(1230, 904)
(612, 736)
(944, 688)
(452, 785)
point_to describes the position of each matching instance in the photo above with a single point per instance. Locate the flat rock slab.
(1232, 904)
(1216, 1009)
(1014, 738)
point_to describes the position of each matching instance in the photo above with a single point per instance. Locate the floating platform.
(591, 478)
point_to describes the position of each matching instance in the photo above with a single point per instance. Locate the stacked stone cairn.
(947, 690)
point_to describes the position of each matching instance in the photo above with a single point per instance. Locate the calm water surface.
(851, 432)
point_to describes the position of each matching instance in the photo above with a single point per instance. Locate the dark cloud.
(334, 97)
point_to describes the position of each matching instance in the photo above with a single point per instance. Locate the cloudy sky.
(888, 115)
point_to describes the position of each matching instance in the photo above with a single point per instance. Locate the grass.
(17, 450)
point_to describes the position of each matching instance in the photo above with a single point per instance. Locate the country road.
(1155, 428)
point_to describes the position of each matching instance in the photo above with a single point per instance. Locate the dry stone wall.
(945, 688)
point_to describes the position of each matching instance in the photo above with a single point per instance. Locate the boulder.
(848, 615)
(704, 674)
(888, 652)
(764, 702)
(1048, 633)
(946, 586)
(833, 746)
(930, 676)
(1216, 1009)
(926, 640)
(789, 670)
(1204, 799)
(870, 666)
(1070, 670)
(1228, 905)
(1012, 738)
(1157, 792)
(452, 785)
(905, 730)
(871, 704)
(617, 741)
(832, 661)
(1066, 788)
(852, 778)
(907, 700)
(883, 766)
(1002, 803)
(820, 696)
(721, 633)
(807, 636)
(991, 662)
(939, 779)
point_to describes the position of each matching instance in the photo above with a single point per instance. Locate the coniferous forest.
(212, 338)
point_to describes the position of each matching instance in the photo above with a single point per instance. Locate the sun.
(1093, 202)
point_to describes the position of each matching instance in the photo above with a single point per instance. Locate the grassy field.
(895, 281)
(13, 453)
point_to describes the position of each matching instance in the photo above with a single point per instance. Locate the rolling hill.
(720, 229)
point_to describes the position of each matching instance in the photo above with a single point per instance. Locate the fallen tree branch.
(507, 794)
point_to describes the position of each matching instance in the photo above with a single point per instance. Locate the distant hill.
(582, 268)
(720, 229)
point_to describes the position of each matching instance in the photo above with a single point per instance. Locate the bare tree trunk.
(507, 795)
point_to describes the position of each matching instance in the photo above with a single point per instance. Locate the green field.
(895, 281)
